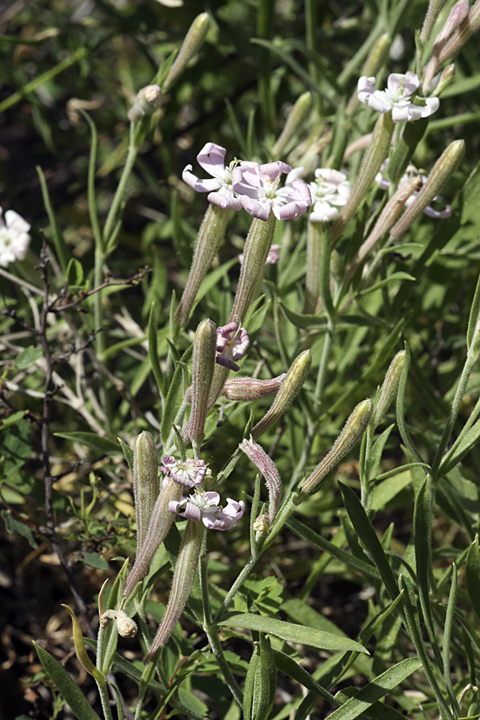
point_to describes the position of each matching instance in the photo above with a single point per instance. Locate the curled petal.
(255, 208)
(224, 197)
(409, 82)
(225, 519)
(212, 159)
(199, 185)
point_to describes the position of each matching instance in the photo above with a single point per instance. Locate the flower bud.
(245, 389)
(148, 99)
(443, 169)
(434, 9)
(194, 40)
(261, 525)
(462, 34)
(209, 238)
(160, 522)
(389, 388)
(145, 483)
(351, 434)
(446, 78)
(372, 162)
(125, 625)
(203, 363)
(389, 214)
(287, 393)
(183, 578)
(268, 469)
(297, 116)
(255, 253)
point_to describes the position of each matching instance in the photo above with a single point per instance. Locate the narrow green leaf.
(472, 575)
(14, 526)
(365, 531)
(93, 560)
(28, 357)
(127, 668)
(61, 248)
(66, 686)
(458, 452)
(128, 453)
(153, 350)
(302, 531)
(474, 315)
(293, 633)
(376, 454)
(95, 442)
(174, 396)
(377, 689)
(287, 665)
(393, 278)
(447, 636)
(307, 322)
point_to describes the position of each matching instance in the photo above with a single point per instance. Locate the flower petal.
(212, 159)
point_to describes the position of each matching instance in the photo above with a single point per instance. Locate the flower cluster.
(205, 506)
(329, 191)
(230, 349)
(254, 187)
(412, 171)
(188, 473)
(14, 238)
(396, 98)
(200, 505)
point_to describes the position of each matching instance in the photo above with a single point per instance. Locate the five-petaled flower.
(212, 159)
(330, 191)
(258, 189)
(412, 171)
(188, 473)
(396, 98)
(205, 506)
(230, 349)
(14, 237)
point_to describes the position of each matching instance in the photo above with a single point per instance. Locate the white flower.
(329, 191)
(396, 98)
(14, 238)
(382, 179)
(212, 159)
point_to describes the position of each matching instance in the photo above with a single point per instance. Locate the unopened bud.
(372, 162)
(446, 78)
(203, 363)
(145, 482)
(287, 393)
(443, 169)
(125, 625)
(434, 9)
(245, 389)
(350, 435)
(148, 99)
(261, 525)
(268, 469)
(389, 388)
(160, 523)
(208, 241)
(297, 116)
(194, 40)
(185, 571)
(462, 34)
(389, 214)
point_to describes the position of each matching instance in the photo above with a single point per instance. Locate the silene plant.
(286, 474)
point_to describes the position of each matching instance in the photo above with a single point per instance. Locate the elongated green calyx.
(298, 114)
(209, 238)
(147, 100)
(434, 8)
(247, 389)
(289, 390)
(182, 583)
(160, 522)
(389, 388)
(374, 157)
(443, 169)
(203, 364)
(145, 483)
(260, 682)
(194, 40)
(351, 434)
(255, 254)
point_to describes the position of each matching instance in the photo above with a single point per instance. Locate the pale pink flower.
(396, 98)
(272, 257)
(230, 349)
(205, 507)
(329, 191)
(212, 159)
(412, 171)
(14, 237)
(258, 189)
(188, 473)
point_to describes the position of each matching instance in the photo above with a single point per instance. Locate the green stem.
(104, 699)
(322, 369)
(247, 569)
(462, 385)
(114, 208)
